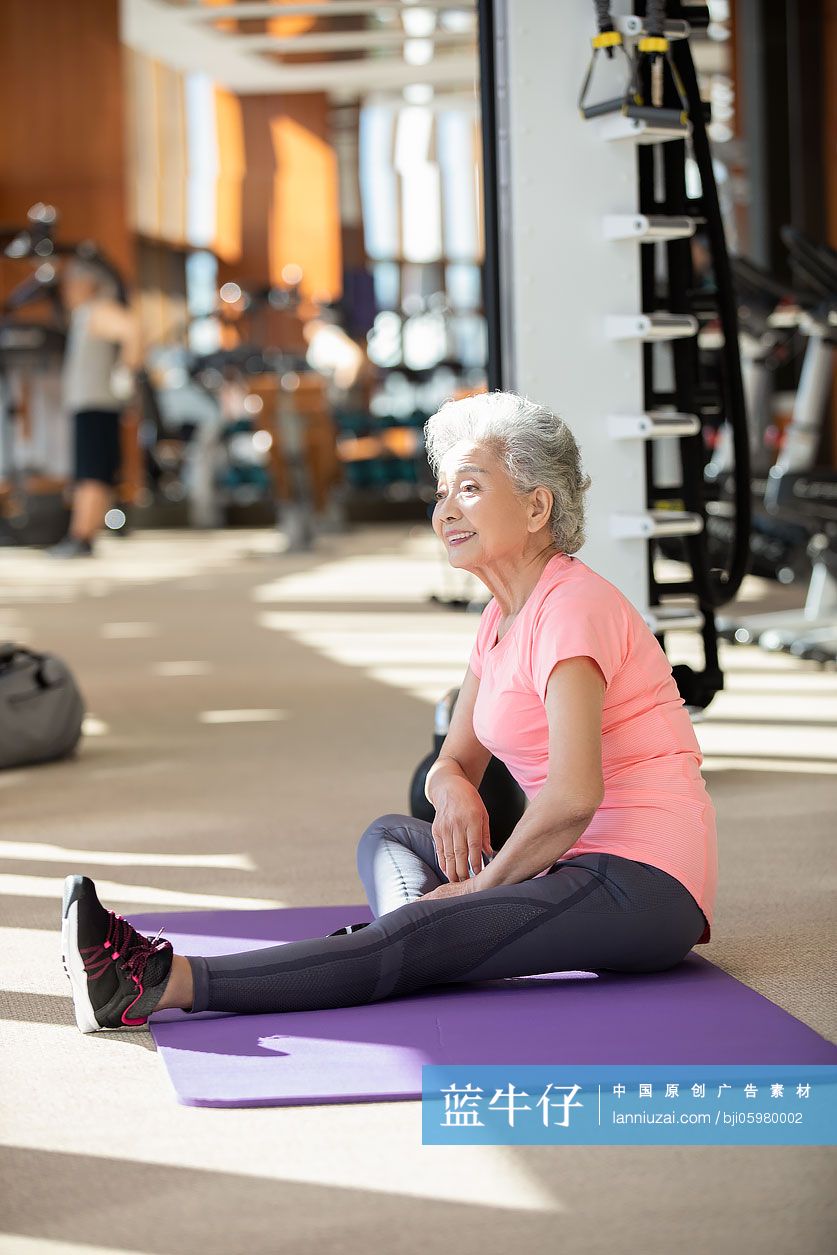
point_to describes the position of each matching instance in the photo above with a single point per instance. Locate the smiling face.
(479, 516)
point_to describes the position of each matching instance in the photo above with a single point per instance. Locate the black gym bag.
(41, 708)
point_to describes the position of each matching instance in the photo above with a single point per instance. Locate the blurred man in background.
(97, 379)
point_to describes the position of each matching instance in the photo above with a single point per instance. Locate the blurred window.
(470, 340)
(201, 297)
(384, 340)
(463, 285)
(378, 181)
(457, 161)
(202, 160)
(418, 283)
(425, 341)
(387, 279)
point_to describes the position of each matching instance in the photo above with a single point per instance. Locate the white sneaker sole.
(74, 967)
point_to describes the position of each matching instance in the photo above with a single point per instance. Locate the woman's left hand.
(453, 889)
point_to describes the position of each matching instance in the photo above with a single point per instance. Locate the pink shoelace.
(125, 943)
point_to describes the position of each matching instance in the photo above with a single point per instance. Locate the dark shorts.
(98, 452)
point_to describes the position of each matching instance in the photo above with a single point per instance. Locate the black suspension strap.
(608, 40)
(653, 47)
(719, 587)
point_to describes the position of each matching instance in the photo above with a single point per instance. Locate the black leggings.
(593, 912)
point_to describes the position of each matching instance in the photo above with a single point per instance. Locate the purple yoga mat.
(692, 1014)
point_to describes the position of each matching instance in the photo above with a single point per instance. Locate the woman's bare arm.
(574, 788)
(461, 752)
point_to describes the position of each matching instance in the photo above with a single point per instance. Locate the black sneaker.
(118, 976)
(350, 928)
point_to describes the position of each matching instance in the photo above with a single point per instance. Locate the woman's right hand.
(460, 830)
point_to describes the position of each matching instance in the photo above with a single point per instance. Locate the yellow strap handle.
(653, 43)
(607, 39)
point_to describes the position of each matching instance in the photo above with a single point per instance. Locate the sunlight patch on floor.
(371, 578)
(317, 1145)
(145, 895)
(35, 852)
(15, 1244)
(171, 669)
(127, 631)
(422, 656)
(797, 767)
(243, 716)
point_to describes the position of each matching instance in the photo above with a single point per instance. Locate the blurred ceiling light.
(289, 381)
(418, 51)
(253, 404)
(262, 440)
(230, 293)
(45, 273)
(418, 22)
(291, 274)
(418, 93)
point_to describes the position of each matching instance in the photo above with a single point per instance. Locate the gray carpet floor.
(250, 712)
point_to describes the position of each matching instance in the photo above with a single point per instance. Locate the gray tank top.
(88, 366)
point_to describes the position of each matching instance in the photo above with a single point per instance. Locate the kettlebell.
(697, 688)
(502, 796)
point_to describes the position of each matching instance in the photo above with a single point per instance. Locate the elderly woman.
(613, 864)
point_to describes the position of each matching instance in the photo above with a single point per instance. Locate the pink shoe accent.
(134, 1023)
(134, 950)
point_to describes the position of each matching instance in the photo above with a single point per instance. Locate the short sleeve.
(567, 626)
(484, 627)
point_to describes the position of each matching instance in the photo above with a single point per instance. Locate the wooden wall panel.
(305, 222)
(157, 157)
(172, 113)
(231, 171)
(289, 201)
(62, 132)
(289, 204)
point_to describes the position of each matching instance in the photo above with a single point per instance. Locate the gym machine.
(191, 451)
(34, 438)
(776, 323)
(796, 491)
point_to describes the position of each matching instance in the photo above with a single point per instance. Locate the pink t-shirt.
(656, 808)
